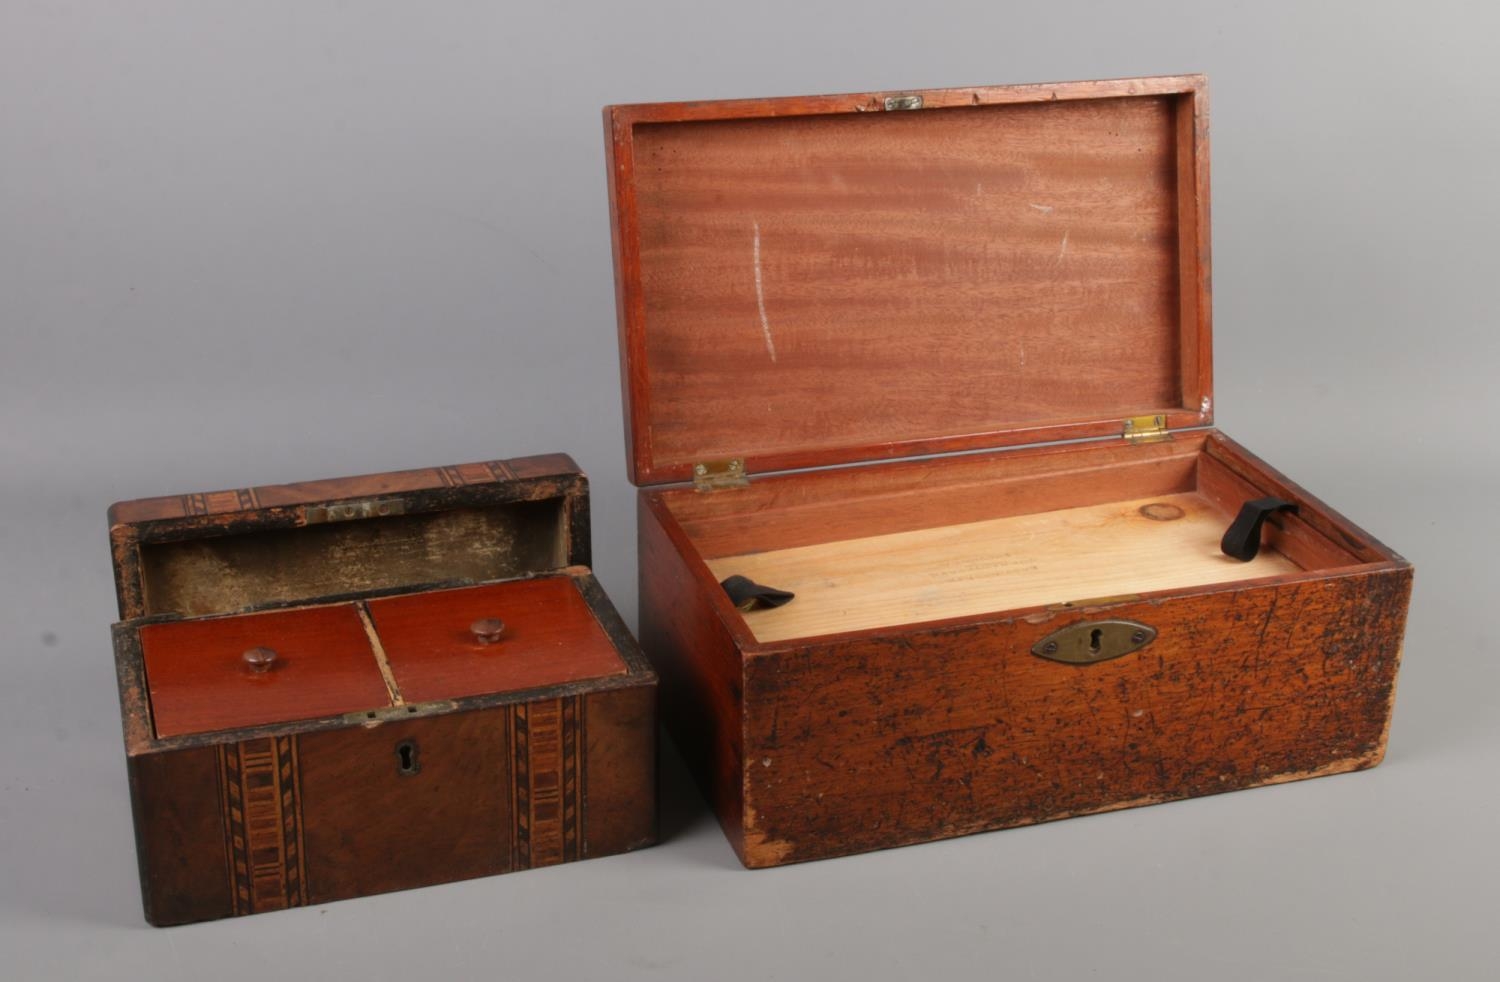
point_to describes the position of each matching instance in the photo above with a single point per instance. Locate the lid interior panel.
(199, 576)
(819, 288)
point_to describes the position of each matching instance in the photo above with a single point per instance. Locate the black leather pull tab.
(746, 594)
(1242, 541)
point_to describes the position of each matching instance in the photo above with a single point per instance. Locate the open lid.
(225, 551)
(819, 280)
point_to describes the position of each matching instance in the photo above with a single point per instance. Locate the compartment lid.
(819, 280)
(225, 551)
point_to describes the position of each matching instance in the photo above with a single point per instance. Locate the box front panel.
(291, 820)
(405, 804)
(874, 743)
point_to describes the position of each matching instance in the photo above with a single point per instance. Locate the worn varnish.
(813, 281)
(380, 750)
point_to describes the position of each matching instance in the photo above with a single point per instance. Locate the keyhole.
(1094, 637)
(406, 757)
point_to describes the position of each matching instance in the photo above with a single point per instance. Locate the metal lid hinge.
(1147, 429)
(713, 475)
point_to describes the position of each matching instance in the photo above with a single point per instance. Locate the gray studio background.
(254, 243)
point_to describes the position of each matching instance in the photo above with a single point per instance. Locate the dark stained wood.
(620, 761)
(370, 828)
(263, 794)
(550, 637)
(200, 683)
(180, 837)
(807, 281)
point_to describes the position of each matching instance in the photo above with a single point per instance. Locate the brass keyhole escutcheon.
(1088, 642)
(406, 758)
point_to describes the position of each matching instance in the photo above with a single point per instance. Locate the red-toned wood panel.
(550, 637)
(699, 663)
(200, 683)
(803, 508)
(805, 288)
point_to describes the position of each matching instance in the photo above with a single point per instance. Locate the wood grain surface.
(550, 637)
(808, 281)
(1159, 543)
(199, 682)
(880, 736)
(872, 742)
(319, 780)
(371, 827)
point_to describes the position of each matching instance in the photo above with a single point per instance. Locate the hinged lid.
(819, 280)
(224, 551)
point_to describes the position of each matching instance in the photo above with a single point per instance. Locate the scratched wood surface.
(876, 742)
(803, 283)
(865, 739)
(1159, 543)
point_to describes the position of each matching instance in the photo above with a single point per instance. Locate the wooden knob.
(259, 659)
(488, 630)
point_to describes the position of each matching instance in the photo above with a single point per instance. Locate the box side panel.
(618, 731)
(700, 670)
(180, 836)
(290, 820)
(878, 742)
(405, 804)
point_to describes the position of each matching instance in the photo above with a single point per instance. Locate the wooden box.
(807, 283)
(317, 706)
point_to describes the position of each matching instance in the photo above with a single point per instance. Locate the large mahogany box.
(979, 637)
(346, 687)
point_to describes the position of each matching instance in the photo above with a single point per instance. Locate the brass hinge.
(897, 103)
(1147, 429)
(712, 475)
